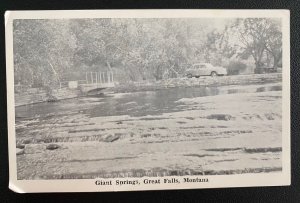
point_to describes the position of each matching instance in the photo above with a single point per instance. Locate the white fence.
(99, 77)
(92, 79)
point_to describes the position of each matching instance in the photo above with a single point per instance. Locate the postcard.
(127, 100)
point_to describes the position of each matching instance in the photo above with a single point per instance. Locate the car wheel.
(189, 75)
(213, 74)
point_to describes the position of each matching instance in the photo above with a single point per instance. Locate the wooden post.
(96, 78)
(112, 76)
(108, 78)
(86, 78)
(92, 77)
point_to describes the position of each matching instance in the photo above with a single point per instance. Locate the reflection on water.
(271, 88)
(251, 90)
(133, 104)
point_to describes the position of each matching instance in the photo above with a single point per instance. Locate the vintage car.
(205, 69)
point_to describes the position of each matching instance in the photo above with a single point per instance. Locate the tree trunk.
(108, 65)
(171, 68)
(55, 73)
(276, 61)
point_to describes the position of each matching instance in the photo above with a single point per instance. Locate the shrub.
(235, 67)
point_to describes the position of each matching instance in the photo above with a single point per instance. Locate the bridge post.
(96, 78)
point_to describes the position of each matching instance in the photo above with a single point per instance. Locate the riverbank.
(209, 135)
(40, 96)
(206, 81)
(26, 98)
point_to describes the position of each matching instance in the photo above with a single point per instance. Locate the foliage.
(49, 51)
(235, 67)
(258, 37)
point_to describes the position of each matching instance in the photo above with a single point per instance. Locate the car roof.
(201, 64)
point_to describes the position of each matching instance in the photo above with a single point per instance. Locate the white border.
(88, 185)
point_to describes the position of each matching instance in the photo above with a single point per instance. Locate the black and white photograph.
(152, 100)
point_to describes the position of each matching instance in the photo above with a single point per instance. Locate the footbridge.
(94, 82)
(97, 81)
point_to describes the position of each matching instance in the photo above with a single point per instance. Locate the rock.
(34, 148)
(20, 146)
(51, 98)
(224, 117)
(112, 138)
(20, 151)
(26, 141)
(53, 146)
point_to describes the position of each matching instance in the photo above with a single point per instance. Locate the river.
(136, 103)
(175, 131)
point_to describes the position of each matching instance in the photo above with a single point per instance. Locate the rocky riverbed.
(228, 132)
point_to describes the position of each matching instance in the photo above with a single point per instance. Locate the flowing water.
(175, 131)
(133, 104)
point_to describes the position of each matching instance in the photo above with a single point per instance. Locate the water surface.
(133, 104)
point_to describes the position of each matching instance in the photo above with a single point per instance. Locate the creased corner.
(14, 187)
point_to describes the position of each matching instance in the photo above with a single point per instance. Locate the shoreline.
(65, 93)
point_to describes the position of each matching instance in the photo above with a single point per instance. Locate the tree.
(44, 49)
(140, 49)
(274, 44)
(216, 48)
(256, 36)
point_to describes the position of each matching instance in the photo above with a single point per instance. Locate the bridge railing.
(93, 79)
(99, 77)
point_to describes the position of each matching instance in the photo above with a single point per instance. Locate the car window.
(200, 66)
